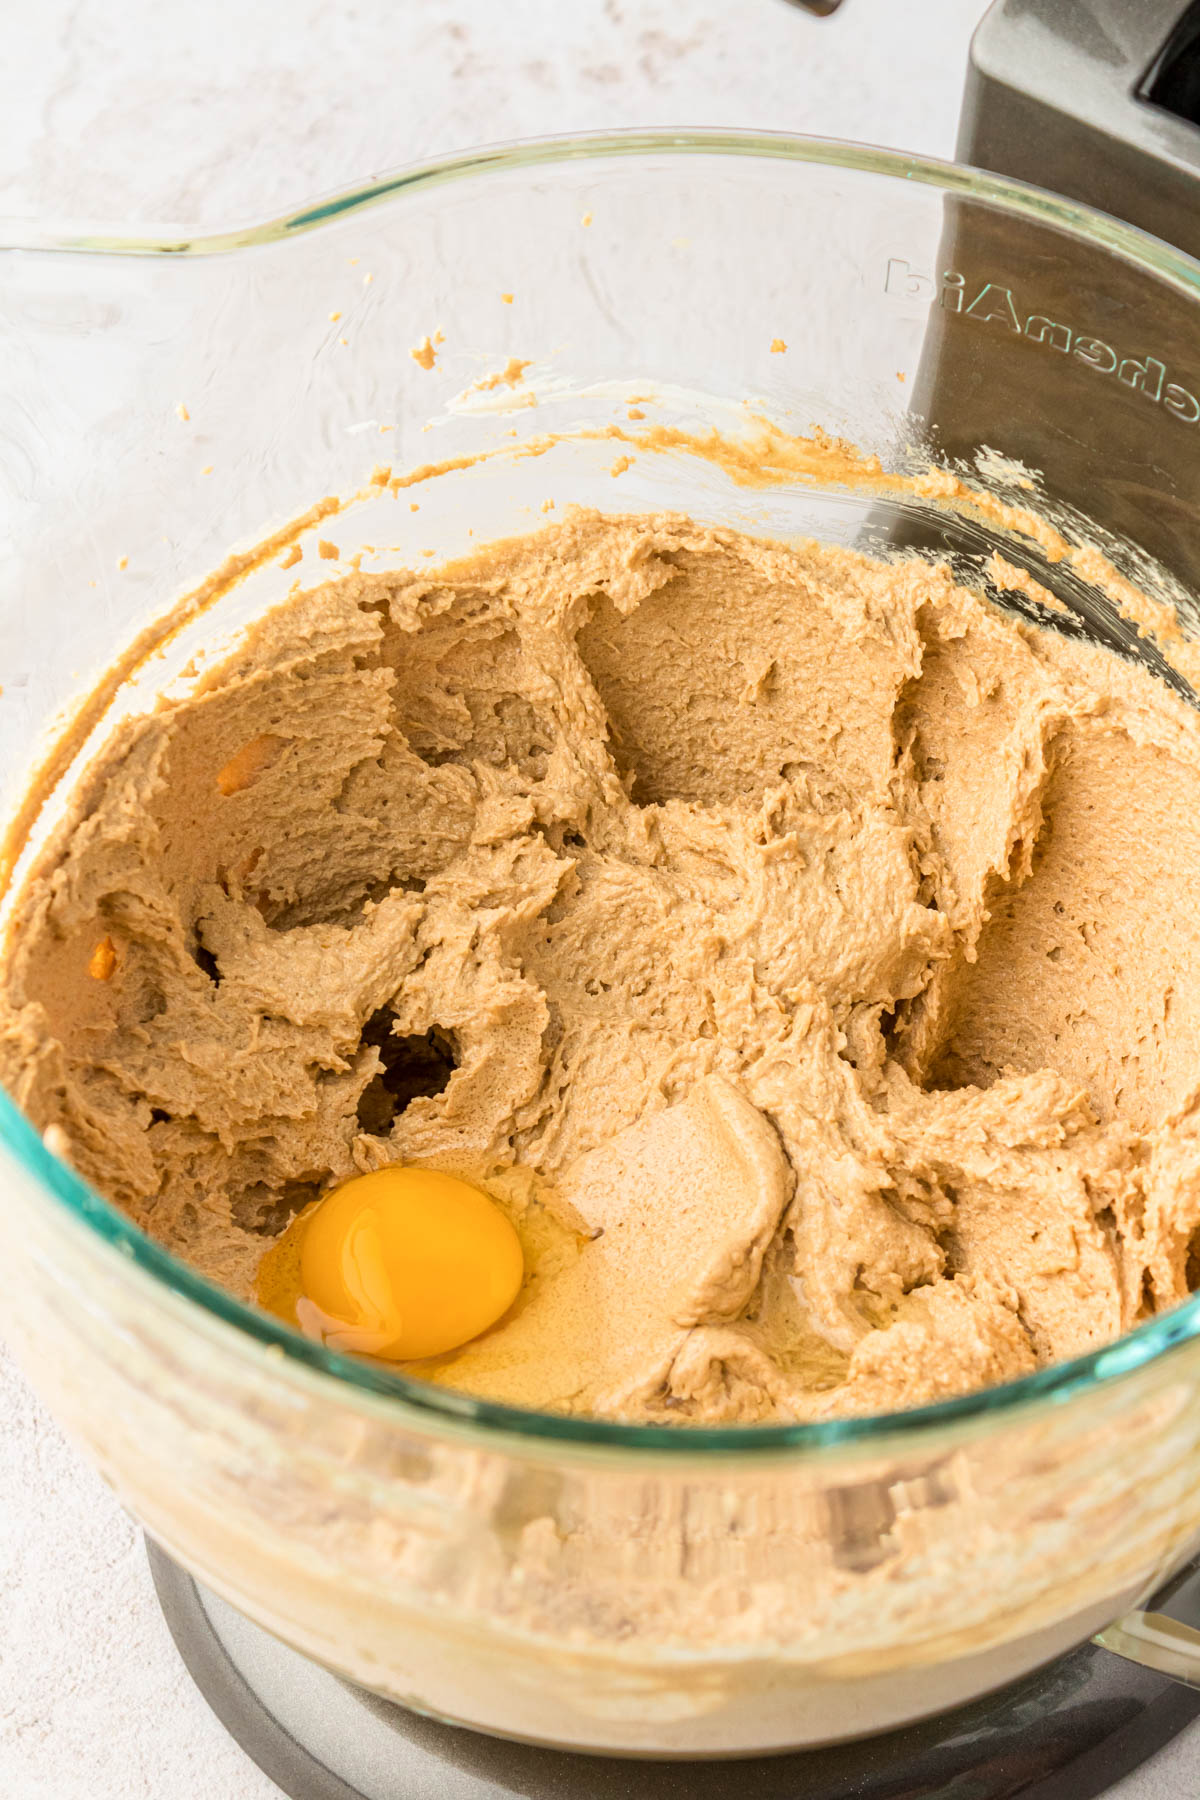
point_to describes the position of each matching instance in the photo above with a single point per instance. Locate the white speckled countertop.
(227, 112)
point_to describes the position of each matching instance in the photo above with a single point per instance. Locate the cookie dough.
(803, 951)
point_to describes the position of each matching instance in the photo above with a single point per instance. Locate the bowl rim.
(1040, 204)
(426, 1406)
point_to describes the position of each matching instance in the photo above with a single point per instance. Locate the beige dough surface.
(804, 952)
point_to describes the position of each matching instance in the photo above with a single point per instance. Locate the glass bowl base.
(1070, 1731)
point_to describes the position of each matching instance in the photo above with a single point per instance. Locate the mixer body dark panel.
(1074, 374)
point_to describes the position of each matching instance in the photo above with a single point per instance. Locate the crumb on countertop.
(509, 376)
(425, 353)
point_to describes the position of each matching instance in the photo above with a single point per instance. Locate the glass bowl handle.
(1157, 1642)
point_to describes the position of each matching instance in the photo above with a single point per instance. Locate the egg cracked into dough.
(401, 1264)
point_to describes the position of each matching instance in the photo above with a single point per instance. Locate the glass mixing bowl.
(165, 400)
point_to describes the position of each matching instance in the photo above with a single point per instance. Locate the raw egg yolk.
(406, 1263)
